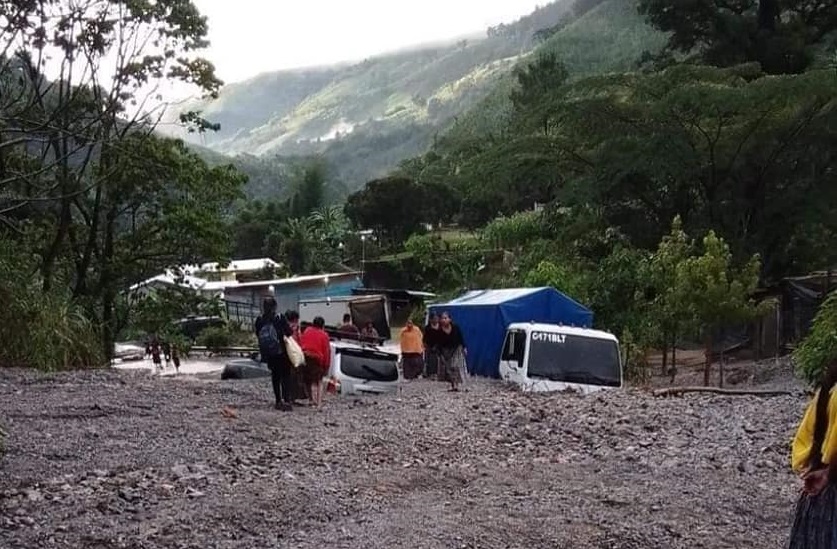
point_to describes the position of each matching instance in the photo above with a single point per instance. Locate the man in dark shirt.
(348, 327)
(276, 357)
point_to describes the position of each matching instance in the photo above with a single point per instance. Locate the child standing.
(175, 358)
(155, 355)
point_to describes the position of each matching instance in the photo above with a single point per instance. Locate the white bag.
(295, 354)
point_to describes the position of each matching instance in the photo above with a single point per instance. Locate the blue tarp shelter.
(484, 315)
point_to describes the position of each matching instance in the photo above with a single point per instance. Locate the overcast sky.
(253, 36)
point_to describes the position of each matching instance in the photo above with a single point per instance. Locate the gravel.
(112, 459)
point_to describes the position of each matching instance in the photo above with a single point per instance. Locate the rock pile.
(107, 459)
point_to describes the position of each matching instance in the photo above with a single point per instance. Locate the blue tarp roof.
(484, 315)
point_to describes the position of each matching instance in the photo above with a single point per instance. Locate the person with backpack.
(272, 329)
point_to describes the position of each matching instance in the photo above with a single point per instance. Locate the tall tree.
(392, 206)
(780, 35)
(537, 81)
(77, 157)
(309, 189)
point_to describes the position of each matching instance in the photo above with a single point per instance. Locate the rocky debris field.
(112, 459)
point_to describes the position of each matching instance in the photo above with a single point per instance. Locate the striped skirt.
(815, 525)
(452, 363)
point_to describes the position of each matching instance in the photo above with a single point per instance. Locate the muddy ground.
(122, 460)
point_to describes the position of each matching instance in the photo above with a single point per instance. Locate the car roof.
(359, 347)
(561, 329)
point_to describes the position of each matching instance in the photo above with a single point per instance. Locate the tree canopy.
(782, 36)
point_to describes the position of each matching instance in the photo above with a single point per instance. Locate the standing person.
(175, 357)
(271, 328)
(315, 344)
(348, 326)
(452, 351)
(167, 352)
(300, 391)
(155, 355)
(431, 348)
(412, 349)
(814, 458)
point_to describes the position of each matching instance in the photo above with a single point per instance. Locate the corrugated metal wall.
(244, 303)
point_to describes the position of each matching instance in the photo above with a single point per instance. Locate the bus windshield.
(574, 359)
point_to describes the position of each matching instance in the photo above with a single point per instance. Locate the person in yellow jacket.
(412, 351)
(814, 458)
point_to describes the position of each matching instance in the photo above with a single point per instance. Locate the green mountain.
(365, 118)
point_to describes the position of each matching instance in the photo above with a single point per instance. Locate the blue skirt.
(815, 524)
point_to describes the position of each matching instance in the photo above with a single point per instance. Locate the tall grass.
(41, 330)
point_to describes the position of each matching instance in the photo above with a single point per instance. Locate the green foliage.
(819, 349)
(46, 330)
(155, 313)
(671, 316)
(364, 119)
(634, 359)
(215, 339)
(781, 36)
(560, 277)
(393, 207)
(541, 77)
(712, 288)
(444, 265)
(714, 292)
(515, 231)
(309, 190)
(102, 201)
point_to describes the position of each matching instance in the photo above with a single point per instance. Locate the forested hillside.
(364, 118)
(660, 184)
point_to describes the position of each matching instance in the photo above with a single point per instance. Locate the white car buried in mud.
(550, 357)
(356, 368)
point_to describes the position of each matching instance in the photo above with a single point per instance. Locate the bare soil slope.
(121, 460)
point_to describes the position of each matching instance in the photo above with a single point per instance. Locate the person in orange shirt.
(412, 351)
(315, 344)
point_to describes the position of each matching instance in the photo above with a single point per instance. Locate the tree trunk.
(707, 368)
(673, 391)
(665, 358)
(106, 285)
(673, 358)
(721, 371)
(51, 254)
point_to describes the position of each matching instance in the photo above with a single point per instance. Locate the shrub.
(215, 339)
(634, 360)
(819, 348)
(43, 330)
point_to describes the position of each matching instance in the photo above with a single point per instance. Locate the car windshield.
(574, 359)
(368, 365)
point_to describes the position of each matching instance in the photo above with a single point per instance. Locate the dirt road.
(122, 460)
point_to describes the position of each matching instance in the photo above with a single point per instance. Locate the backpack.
(270, 345)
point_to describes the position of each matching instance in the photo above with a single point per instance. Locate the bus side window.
(514, 346)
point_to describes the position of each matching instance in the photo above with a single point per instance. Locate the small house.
(244, 300)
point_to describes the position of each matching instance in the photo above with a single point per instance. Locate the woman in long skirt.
(814, 458)
(452, 352)
(431, 348)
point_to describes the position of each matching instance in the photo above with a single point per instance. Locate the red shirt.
(315, 342)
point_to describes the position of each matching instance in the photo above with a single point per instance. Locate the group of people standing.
(163, 350)
(368, 333)
(438, 352)
(292, 385)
